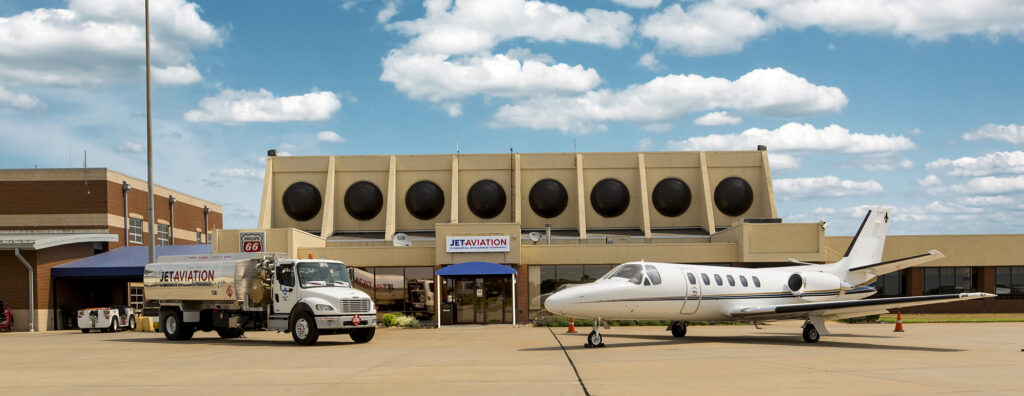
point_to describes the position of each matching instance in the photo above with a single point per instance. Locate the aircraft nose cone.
(555, 303)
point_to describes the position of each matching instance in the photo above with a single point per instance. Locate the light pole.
(149, 147)
(124, 192)
(171, 200)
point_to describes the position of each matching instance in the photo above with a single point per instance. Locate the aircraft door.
(691, 293)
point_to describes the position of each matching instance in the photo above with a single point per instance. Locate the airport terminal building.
(511, 228)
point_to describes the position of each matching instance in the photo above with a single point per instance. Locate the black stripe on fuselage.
(857, 235)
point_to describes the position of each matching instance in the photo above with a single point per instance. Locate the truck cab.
(316, 296)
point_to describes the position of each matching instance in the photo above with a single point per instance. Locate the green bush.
(861, 319)
(398, 320)
(407, 321)
(388, 320)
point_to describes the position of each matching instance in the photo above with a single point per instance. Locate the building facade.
(50, 217)
(563, 218)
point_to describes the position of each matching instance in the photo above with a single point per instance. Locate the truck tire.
(230, 333)
(304, 331)
(131, 323)
(114, 325)
(362, 335)
(173, 326)
(85, 331)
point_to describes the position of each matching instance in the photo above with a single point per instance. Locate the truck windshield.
(323, 275)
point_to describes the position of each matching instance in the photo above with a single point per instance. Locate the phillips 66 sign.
(252, 242)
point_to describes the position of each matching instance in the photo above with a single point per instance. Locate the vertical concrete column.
(709, 213)
(327, 220)
(389, 206)
(455, 190)
(517, 192)
(266, 200)
(581, 201)
(768, 185)
(645, 205)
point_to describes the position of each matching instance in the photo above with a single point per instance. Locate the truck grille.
(355, 305)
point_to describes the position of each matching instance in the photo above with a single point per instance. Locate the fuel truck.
(232, 293)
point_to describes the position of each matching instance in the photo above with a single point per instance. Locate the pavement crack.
(574, 370)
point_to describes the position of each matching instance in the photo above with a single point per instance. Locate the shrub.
(398, 320)
(861, 319)
(388, 320)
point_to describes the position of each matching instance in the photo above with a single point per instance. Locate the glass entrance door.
(481, 300)
(466, 300)
(495, 294)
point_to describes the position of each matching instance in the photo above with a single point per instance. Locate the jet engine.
(817, 286)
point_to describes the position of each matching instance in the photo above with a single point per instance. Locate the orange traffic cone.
(899, 323)
(572, 326)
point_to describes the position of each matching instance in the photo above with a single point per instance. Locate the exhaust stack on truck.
(232, 293)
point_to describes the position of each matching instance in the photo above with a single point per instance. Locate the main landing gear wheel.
(594, 340)
(678, 329)
(810, 334)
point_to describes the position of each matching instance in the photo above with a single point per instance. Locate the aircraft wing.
(886, 267)
(846, 309)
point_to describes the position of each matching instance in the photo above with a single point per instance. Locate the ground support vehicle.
(232, 293)
(106, 319)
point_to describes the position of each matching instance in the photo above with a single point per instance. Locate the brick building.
(50, 217)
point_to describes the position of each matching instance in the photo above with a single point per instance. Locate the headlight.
(324, 307)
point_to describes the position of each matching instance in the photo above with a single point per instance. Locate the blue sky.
(915, 105)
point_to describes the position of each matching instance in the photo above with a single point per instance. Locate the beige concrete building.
(565, 218)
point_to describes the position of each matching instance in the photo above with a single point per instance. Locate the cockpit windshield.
(633, 272)
(323, 275)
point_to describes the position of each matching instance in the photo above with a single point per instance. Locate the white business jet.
(813, 292)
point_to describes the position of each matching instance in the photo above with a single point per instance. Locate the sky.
(911, 104)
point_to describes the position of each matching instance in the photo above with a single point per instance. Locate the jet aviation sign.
(466, 244)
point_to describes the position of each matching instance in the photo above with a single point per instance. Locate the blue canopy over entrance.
(470, 268)
(128, 261)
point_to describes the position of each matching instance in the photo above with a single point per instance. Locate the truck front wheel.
(362, 335)
(304, 330)
(230, 333)
(174, 328)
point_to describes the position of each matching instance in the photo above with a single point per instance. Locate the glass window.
(891, 284)
(285, 275)
(322, 275)
(199, 237)
(707, 281)
(732, 281)
(743, 280)
(653, 274)
(163, 233)
(718, 279)
(595, 272)
(569, 274)
(1018, 281)
(1010, 281)
(946, 280)
(362, 279)
(691, 278)
(633, 272)
(420, 285)
(389, 285)
(135, 230)
(209, 238)
(757, 282)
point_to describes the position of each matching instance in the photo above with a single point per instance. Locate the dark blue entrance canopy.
(475, 268)
(127, 261)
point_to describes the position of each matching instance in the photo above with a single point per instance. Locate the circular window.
(486, 199)
(548, 198)
(671, 197)
(301, 201)
(363, 200)
(609, 197)
(425, 200)
(733, 196)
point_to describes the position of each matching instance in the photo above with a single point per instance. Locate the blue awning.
(127, 261)
(475, 268)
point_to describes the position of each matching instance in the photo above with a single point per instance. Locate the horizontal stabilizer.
(886, 267)
(848, 308)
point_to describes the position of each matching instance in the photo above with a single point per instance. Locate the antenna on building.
(457, 149)
(85, 170)
(574, 145)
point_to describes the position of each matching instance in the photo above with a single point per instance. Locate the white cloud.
(783, 161)
(469, 26)
(657, 127)
(929, 181)
(453, 109)
(130, 147)
(990, 185)
(824, 211)
(770, 92)
(718, 118)
(649, 61)
(638, 3)
(390, 10)
(707, 28)
(981, 200)
(330, 137)
(436, 77)
(723, 26)
(828, 186)
(230, 107)
(906, 164)
(883, 162)
(644, 144)
(101, 42)
(989, 164)
(794, 137)
(1012, 133)
(243, 173)
(17, 100)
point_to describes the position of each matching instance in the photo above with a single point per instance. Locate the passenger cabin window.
(718, 279)
(732, 281)
(743, 280)
(285, 275)
(653, 274)
(757, 282)
(693, 279)
(633, 272)
(707, 281)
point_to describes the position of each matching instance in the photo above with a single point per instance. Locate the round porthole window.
(486, 199)
(733, 196)
(671, 197)
(301, 201)
(425, 200)
(548, 198)
(609, 197)
(363, 200)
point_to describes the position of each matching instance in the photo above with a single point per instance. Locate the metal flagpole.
(149, 147)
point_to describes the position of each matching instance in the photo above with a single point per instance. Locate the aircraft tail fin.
(866, 247)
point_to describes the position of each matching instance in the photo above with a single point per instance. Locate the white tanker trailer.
(232, 293)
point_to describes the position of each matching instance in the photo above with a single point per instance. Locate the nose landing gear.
(594, 339)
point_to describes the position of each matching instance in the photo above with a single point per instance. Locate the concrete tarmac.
(496, 360)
